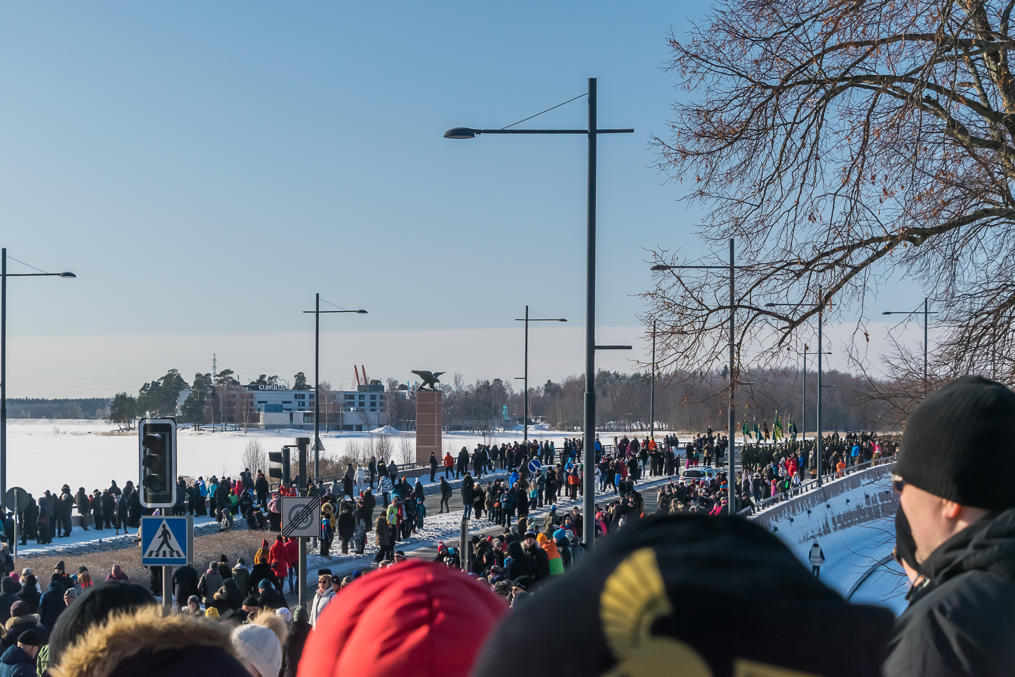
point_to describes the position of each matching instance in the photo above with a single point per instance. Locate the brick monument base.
(428, 424)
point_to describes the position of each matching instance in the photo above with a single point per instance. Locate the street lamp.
(592, 133)
(925, 312)
(525, 378)
(730, 268)
(3, 357)
(821, 311)
(803, 407)
(317, 376)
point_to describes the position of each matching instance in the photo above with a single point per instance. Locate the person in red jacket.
(415, 618)
(292, 551)
(278, 560)
(449, 463)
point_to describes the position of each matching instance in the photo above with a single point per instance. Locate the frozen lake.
(44, 454)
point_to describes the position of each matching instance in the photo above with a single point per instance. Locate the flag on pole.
(757, 431)
(792, 429)
(777, 428)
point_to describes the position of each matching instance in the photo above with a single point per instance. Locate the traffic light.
(157, 452)
(282, 458)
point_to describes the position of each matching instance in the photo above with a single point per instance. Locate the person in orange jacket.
(449, 463)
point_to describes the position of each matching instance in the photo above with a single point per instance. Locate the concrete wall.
(854, 500)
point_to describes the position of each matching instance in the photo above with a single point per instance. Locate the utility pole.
(652, 389)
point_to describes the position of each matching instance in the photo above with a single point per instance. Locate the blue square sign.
(163, 541)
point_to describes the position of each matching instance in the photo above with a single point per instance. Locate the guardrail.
(811, 485)
(867, 574)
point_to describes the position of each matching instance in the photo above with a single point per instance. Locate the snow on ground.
(44, 454)
(80, 540)
(447, 527)
(851, 551)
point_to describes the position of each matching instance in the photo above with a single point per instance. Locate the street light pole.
(926, 323)
(3, 357)
(731, 268)
(525, 377)
(317, 376)
(525, 382)
(820, 352)
(592, 132)
(652, 388)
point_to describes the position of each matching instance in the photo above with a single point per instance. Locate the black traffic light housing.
(157, 462)
(282, 458)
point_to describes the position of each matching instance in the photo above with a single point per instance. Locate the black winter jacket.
(961, 620)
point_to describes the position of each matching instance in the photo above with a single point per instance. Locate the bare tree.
(406, 449)
(381, 447)
(842, 145)
(254, 456)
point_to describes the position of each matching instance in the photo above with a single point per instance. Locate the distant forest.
(683, 402)
(90, 407)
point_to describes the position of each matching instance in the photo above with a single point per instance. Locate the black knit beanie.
(959, 444)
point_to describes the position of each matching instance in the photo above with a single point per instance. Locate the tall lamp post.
(3, 357)
(818, 443)
(730, 268)
(317, 376)
(926, 312)
(525, 378)
(592, 133)
(652, 390)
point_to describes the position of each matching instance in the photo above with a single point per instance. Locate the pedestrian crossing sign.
(164, 541)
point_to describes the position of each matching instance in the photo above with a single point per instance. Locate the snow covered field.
(44, 454)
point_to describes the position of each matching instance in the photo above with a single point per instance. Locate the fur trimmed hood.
(145, 641)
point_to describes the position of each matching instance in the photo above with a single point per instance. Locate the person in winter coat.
(84, 507)
(554, 562)
(541, 562)
(259, 572)
(51, 603)
(373, 628)
(433, 466)
(817, 558)
(299, 630)
(20, 621)
(19, 660)
(955, 533)
(384, 487)
(322, 597)
(446, 493)
(385, 539)
(292, 551)
(210, 582)
(346, 526)
(143, 642)
(449, 464)
(8, 595)
(242, 577)
(185, 580)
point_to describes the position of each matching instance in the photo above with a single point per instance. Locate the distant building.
(351, 410)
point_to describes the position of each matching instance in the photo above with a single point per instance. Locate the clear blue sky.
(226, 160)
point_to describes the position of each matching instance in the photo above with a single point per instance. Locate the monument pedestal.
(429, 421)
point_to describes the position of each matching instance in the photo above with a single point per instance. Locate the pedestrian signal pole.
(302, 443)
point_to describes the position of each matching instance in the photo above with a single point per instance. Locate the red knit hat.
(415, 618)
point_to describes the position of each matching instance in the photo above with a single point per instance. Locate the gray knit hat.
(959, 444)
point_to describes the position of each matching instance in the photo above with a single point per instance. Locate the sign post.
(165, 543)
(300, 520)
(15, 500)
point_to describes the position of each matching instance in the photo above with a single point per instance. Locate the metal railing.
(811, 485)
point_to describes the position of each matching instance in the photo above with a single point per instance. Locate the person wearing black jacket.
(184, 583)
(433, 466)
(109, 518)
(346, 526)
(446, 493)
(298, 633)
(467, 495)
(261, 489)
(540, 562)
(9, 589)
(955, 533)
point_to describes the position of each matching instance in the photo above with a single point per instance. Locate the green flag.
(792, 429)
(777, 427)
(757, 431)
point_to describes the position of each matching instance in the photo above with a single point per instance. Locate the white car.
(702, 473)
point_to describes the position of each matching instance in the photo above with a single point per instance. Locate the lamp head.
(361, 311)
(66, 274)
(886, 312)
(657, 267)
(460, 133)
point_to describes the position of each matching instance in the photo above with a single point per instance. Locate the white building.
(352, 410)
